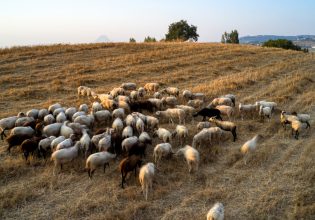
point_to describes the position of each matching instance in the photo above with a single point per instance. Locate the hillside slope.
(277, 182)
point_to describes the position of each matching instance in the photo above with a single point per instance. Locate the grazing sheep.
(84, 108)
(287, 119)
(61, 117)
(203, 137)
(116, 92)
(141, 92)
(139, 115)
(172, 113)
(32, 113)
(96, 106)
(151, 87)
(95, 139)
(42, 113)
(103, 116)
(216, 212)
(226, 126)
(103, 97)
(189, 111)
(145, 138)
(181, 132)
(52, 129)
(208, 112)
(246, 110)
(77, 114)
(66, 143)
(134, 95)
(127, 132)
(65, 155)
(53, 107)
(250, 146)
(70, 112)
(87, 120)
(49, 119)
(151, 123)
(105, 143)
(65, 130)
(191, 156)
(85, 141)
(22, 131)
(127, 165)
(109, 104)
(84, 91)
(221, 101)
(76, 127)
(129, 86)
(124, 105)
(272, 105)
(21, 121)
(202, 125)
(187, 95)
(163, 134)
(130, 121)
(58, 110)
(226, 110)
(264, 112)
(139, 106)
(128, 143)
(170, 101)
(44, 145)
(157, 95)
(296, 127)
(14, 140)
(118, 125)
(100, 159)
(139, 126)
(304, 118)
(162, 150)
(146, 175)
(171, 91)
(56, 141)
(119, 113)
(196, 103)
(230, 96)
(30, 146)
(158, 104)
(199, 96)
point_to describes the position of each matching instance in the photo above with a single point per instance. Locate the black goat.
(209, 112)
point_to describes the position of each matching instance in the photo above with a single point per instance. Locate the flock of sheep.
(115, 126)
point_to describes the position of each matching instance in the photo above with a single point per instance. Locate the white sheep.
(216, 212)
(66, 143)
(77, 114)
(163, 134)
(87, 120)
(66, 155)
(272, 105)
(49, 119)
(264, 112)
(191, 156)
(42, 113)
(230, 96)
(187, 95)
(203, 137)
(124, 105)
(129, 86)
(65, 130)
(96, 106)
(130, 121)
(151, 122)
(172, 113)
(127, 132)
(7, 123)
(103, 97)
(158, 104)
(181, 132)
(189, 111)
(139, 126)
(105, 143)
(250, 146)
(118, 125)
(134, 95)
(171, 91)
(248, 109)
(226, 126)
(61, 117)
(100, 159)
(58, 110)
(55, 142)
(29, 131)
(170, 101)
(21, 121)
(119, 113)
(196, 103)
(116, 92)
(145, 138)
(199, 96)
(52, 107)
(221, 101)
(226, 110)
(157, 95)
(203, 124)
(84, 91)
(52, 129)
(84, 108)
(146, 175)
(151, 87)
(162, 150)
(85, 141)
(128, 143)
(70, 112)
(44, 145)
(32, 113)
(103, 116)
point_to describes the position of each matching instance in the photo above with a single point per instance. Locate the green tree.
(181, 31)
(283, 43)
(149, 39)
(132, 40)
(230, 38)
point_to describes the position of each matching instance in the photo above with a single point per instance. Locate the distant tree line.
(230, 38)
(284, 44)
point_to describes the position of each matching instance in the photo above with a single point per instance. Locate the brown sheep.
(128, 165)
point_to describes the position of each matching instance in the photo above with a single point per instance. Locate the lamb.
(56, 141)
(203, 137)
(151, 123)
(85, 141)
(100, 159)
(187, 95)
(191, 156)
(264, 112)
(250, 146)
(208, 112)
(139, 126)
(96, 106)
(181, 132)
(170, 101)
(66, 155)
(145, 138)
(52, 129)
(119, 113)
(162, 150)
(304, 118)
(248, 109)
(221, 101)
(61, 117)
(70, 112)
(226, 110)
(216, 212)
(202, 125)
(109, 104)
(44, 145)
(226, 126)
(32, 113)
(42, 113)
(127, 165)
(171, 114)
(129, 86)
(127, 132)
(157, 95)
(196, 103)
(84, 108)
(146, 175)
(53, 107)
(163, 134)
(151, 87)
(49, 119)
(118, 125)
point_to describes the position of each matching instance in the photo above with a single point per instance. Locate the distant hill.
(305, 41)
(102, 39)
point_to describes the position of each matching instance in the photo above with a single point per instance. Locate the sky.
(34, 22)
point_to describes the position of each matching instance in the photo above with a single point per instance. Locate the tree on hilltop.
(230, 38)
(181, 31)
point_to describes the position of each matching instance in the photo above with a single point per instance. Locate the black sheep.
(209, 112)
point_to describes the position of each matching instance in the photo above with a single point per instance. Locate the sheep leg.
(89, 174)
(308, 125)
(122, 180)
(297, 135)
(204, 118)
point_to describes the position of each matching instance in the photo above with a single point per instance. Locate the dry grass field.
(278, 181)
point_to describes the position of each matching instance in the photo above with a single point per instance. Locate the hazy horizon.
(37, 22)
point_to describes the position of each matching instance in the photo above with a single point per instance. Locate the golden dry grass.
(277, 182)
